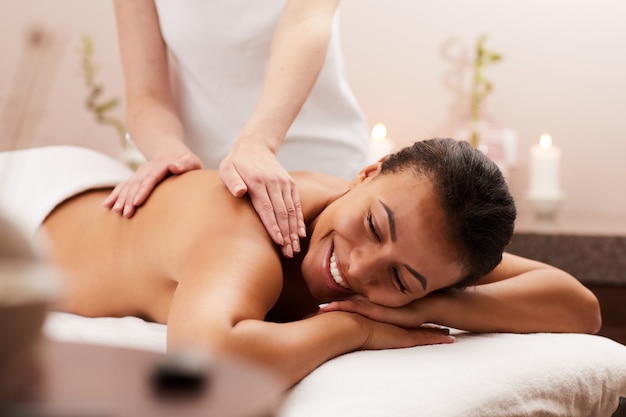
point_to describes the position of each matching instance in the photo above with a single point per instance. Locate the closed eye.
(396, 276)
(370, 222)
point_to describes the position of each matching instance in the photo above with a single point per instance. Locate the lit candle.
(545, 159)
(380, 144)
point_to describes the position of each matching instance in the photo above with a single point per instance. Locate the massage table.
(543, 374)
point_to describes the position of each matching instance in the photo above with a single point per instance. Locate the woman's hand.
(133, 192)
(253, 169)
(388, 336)
(410, 316)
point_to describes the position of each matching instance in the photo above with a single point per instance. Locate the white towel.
(503, 375)
(34, 181)
(496, 375)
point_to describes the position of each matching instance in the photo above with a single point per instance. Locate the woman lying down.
(415, 239)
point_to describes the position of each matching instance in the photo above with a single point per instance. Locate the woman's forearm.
(520, 295)
(151, 117)
(544, 300)
(155, 127)
(291, 350)
(297, 56)
(297, 348)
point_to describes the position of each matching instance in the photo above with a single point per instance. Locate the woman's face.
(383, 240)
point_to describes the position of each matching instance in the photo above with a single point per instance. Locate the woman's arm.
(230, 276)
(292, 350)
(297, 55)
(520, 295)
(151, 117)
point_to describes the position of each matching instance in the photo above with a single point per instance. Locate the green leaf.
(107, 106)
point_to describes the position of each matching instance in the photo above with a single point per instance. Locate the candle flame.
(545, 141)
(379, 132)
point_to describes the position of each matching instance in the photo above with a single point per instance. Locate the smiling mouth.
(334, 272)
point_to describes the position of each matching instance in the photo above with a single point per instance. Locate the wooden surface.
(592, 251)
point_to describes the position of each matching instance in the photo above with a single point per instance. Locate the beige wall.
(56, 111)
(562, 73)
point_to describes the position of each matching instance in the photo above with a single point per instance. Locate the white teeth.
(335, 272)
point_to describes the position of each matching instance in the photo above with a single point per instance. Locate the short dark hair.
(474, 195)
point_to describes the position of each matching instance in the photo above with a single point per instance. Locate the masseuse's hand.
(133, 192)
(253, 169)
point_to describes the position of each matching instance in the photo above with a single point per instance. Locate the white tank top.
(218, 52)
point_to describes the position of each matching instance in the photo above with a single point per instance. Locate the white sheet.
(128, 332)
(558, 375)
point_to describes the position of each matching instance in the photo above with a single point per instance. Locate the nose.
(367, 265)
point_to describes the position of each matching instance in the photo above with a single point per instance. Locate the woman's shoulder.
(317, 190)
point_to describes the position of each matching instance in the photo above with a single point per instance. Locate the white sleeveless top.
(218, 52)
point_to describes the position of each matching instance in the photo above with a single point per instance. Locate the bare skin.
(142, 260)
(296, 58)
(203, 263)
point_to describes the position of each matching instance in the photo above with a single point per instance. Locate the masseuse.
(243, 86)
(436, 215)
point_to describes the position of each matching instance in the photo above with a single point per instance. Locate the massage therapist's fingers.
(296, 222)
(133, 192)
(270, 207)
(261, 202)
(231, 178)
(280, 192)
(150, 174)
(112, 198)
(183, 163)
(296, 219)
(253, 168)
(260, 199)
(141, 185)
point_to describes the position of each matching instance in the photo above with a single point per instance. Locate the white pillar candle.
(545, 161)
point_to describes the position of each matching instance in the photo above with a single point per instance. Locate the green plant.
(94, 102)
(481, 87)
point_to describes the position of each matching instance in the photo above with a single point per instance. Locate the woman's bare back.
(116, 266)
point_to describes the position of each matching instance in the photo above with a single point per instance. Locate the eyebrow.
(392, 233)
(419, 276)
(392, 222)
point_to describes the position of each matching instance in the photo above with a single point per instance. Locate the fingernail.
(279, 238)
(323, 306)
(239, 191)
(126, 210)
(296, 245)
(117, 206)
(302, 232)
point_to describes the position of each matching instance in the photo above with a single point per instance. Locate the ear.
(366, 174)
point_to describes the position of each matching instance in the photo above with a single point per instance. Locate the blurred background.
(410, 63)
